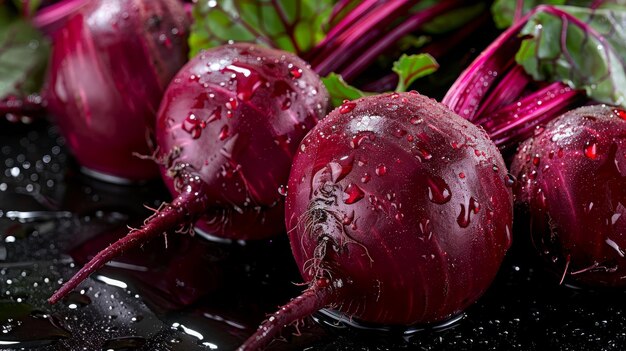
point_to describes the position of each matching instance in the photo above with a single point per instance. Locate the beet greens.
(579, 51)
(227, 130)
(346, 38)
(398, 212)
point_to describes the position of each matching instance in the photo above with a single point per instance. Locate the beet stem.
(310, 301)
(188, 206)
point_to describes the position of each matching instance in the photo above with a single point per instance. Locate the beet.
(110, 65)
(398, 212)
(228, 128)
(572, 185)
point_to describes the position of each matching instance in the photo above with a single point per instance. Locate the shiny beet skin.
(234, 117)
(110, 65)
(402, 206)
(572, 185)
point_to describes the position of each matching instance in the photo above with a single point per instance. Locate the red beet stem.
(185, 209)
(311, 300)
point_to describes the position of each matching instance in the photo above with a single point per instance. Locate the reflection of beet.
(572, 182)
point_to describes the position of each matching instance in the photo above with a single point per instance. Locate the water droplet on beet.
(282, 190)
(284, 91)
(536, 160)
(381, 170)
(248, 80)
(352, 194)
(438, 190)
(341, 168)
(416, 120)
(224, 133)
(463, 218)
(462, 175)
(357, 140)
(295, 72)
(509, 180)
(366, 178)
(196, 132)
(346, 107)
(591, 150)
(620, 113)
(615, 217)
(538, 130)
(231, 104)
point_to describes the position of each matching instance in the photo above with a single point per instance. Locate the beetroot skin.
(399, 212)
(234, 118)
(110, 65)
(228, 128)
(572, 184)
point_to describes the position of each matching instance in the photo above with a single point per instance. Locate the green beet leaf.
(581, 47)
(294, 26)
(23, 58)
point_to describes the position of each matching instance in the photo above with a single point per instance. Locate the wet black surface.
(183, 293)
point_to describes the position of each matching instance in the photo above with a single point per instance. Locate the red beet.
(398, 213)
(572, 184)
(228, 128)
(110, 65)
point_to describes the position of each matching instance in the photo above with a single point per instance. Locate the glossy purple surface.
(572, 189)
(234, 116)
(402, 205)
(110, 65)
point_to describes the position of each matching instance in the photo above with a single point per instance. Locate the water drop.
(346, 107)
(591, 150)
(366, 178)
(381, 170)
(620, 113)
(509, 180)
(539, 130)
(352, 194)
(248, 80)
(536, 160)
(282, 190)
(295, 72)
(416, 120)
(341, 168)
(438, 190)
(463, 219)
(224, 133)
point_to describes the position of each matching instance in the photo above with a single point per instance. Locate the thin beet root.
(228, 128)
(398, 213)
(311, 300)
(189, 205)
